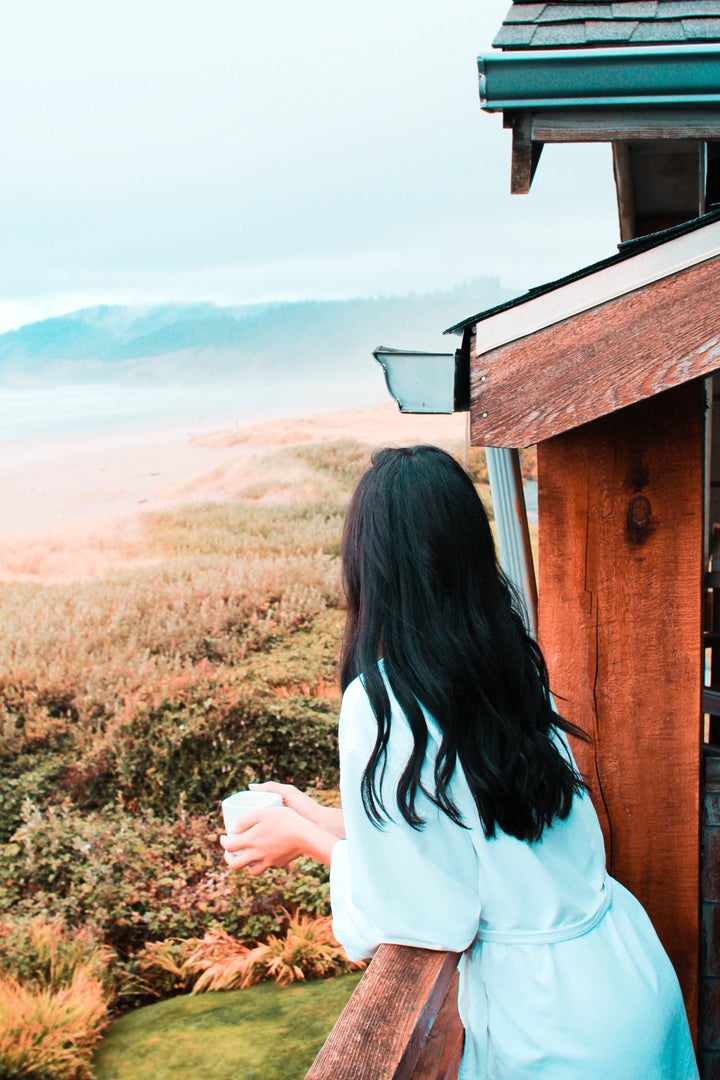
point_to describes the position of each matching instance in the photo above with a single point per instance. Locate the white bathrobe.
(562, 977)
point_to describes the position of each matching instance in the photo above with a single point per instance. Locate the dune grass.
(264, 1033)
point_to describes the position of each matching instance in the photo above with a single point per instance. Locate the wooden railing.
(401, 1023)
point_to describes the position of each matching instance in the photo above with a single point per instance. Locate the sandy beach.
(72, 506)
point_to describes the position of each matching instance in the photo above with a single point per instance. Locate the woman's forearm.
(319, 842)
(332, 820)
(327, 817)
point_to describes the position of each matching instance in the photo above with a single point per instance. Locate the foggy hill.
(203, 342)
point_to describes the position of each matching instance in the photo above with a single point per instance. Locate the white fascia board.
(606, 284)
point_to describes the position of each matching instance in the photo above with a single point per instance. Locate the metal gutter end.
(482, 81)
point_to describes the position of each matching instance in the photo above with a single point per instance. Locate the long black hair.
(425, 591)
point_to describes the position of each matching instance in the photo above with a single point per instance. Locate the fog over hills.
(202, 342)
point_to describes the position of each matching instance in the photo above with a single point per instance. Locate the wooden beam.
(622, 173)
(525, 155)
(621, 124)
(620, 616)
(383, 1031)
(599, 361)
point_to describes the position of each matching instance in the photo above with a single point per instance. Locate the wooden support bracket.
(525, 155)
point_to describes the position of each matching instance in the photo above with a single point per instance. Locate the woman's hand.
(328, 818)
(274, 836)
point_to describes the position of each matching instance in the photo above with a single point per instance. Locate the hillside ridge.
(186, 342)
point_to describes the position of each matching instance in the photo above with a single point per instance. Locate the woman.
(465, 825)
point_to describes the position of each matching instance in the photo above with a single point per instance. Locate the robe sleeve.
(396, 884)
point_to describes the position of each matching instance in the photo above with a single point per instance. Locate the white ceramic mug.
(240, 802)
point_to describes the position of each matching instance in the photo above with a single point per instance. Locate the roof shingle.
(647, 9)
(524, 13)
(553, 34)
(683, 9)
(610, 32)
(667, 30)
(567, 13)
(569, 23)
(701, 29)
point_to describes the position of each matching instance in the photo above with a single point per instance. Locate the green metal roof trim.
(582, 78)
(625, 250)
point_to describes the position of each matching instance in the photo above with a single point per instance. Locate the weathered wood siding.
(620, 618)
(621, 352)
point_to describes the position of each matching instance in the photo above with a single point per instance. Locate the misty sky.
(236, 151)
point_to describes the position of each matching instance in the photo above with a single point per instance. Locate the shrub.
(247, 531)
(54, 995)
(37, 780)
(218, 962)
(158, 970)
(189, 733)
(197, 738)
(43, 954)
(307, 949)
(137, 878)
(48, 1033)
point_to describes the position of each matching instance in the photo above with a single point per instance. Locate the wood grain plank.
(620, 616)
(594, 363)
(382, 1030)
(608, 125)
(442, 1053)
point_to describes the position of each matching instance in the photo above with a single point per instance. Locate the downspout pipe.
(511, 527)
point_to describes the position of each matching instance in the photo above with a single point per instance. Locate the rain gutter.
(582, 78)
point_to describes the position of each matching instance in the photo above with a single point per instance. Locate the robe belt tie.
(557, 933)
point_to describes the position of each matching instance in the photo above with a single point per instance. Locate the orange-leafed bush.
(47, 1033)
(218, 962)
(307, 950)
(159, 970)
(55, 991)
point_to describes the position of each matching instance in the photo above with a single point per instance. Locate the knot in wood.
(638, 519)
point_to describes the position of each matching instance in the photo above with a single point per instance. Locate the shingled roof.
(576, 23)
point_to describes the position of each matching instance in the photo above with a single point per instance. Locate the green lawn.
(264, 1033)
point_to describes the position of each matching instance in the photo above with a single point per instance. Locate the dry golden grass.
(381, 425)
(74, 552)
(54, 995)
(51, 1033)
(98, 491)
